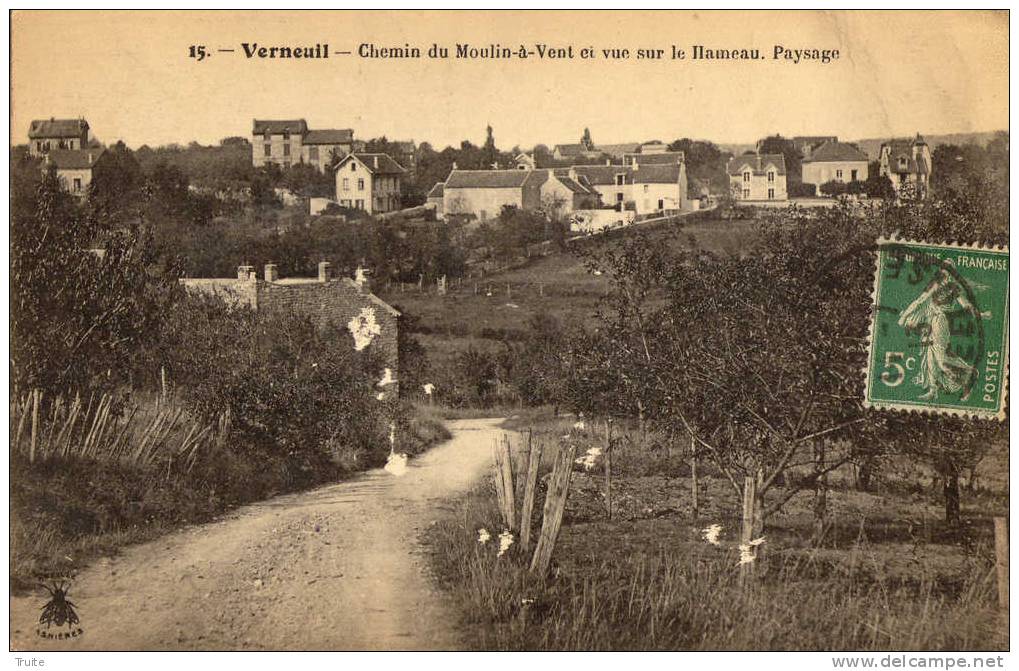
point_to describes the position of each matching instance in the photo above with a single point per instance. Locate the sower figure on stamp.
(941, 369)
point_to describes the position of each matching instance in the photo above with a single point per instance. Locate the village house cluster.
(634, 180)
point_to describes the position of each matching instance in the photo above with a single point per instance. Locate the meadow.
(889, 574)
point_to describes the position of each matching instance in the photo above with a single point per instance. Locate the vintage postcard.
(510, 330)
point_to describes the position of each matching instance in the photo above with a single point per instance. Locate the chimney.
(271, 273)
(454, 165)
(573, 173)
(323, 271)
(360, 277)
(375, 162)
(244, 272)
(608, 161)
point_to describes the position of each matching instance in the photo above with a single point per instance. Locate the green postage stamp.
(939, 330)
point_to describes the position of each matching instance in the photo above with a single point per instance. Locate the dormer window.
(771, 175)
(902, 163)
(286, 134)
(267, 135)
(619, 179)
(746, 175)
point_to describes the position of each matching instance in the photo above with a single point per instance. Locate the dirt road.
(337, 568)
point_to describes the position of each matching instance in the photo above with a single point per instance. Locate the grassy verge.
(890, 575)
(67, 511)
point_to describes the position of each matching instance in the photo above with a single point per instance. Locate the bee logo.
(59, 611)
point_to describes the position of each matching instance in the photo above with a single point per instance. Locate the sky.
(129, 75)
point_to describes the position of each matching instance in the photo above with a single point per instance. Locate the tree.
(776, 144)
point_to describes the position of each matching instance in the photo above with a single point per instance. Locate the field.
(483, 311)
(889, 574)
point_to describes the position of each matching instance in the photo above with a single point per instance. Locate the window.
(359, 204)
(852, 175)
(746, 193)
(902, 163)
(746, 176)
(838, 175)
(353, 166)
(286, 134)
(77, 184)
(620, 179)
(286, 149)
(771, 194)
(313, 154)
(346, 184)
(345, 202)
(360, 184)
(771, 176)
(619, 197)
(267, 135)
(268, 150)
(661, 204)
(645, 188)
(38, 146)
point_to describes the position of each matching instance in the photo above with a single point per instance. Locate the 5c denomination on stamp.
(939, 330)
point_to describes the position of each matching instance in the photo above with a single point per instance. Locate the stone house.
(287, 142)
(907, 163)
(319, 147)
(45, 135)
(484, 193)
(342, 303)
(434, 198)
(369, 182)
(75, 167)
(651, 184)
(654, 158)
(758, 177)
(835, 161)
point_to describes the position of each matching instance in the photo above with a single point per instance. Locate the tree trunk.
(820, 495)
(951, 489)
(694, 509)
(865, 475)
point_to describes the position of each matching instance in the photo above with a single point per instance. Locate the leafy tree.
(776, 144)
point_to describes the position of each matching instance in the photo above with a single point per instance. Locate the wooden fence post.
(552, 514)
(694, 509)
(608, 468)
(1001, 560)
(36, 399)
(507, 480)
(747, 528)
(530, 487)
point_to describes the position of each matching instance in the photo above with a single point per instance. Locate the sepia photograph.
(511, 331)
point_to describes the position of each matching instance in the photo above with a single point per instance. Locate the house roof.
(813, 140)
(376, 164)
(836, 151)
(487, 179)
(574, 150)
(661, 158)
(279, 126)
(57, 128)
(618, 150)
(73, 159)
(578, 185)
(406, 146)
(605, 174)
(437, 190)
(657, 174)
(329, 136)
(757, 163)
